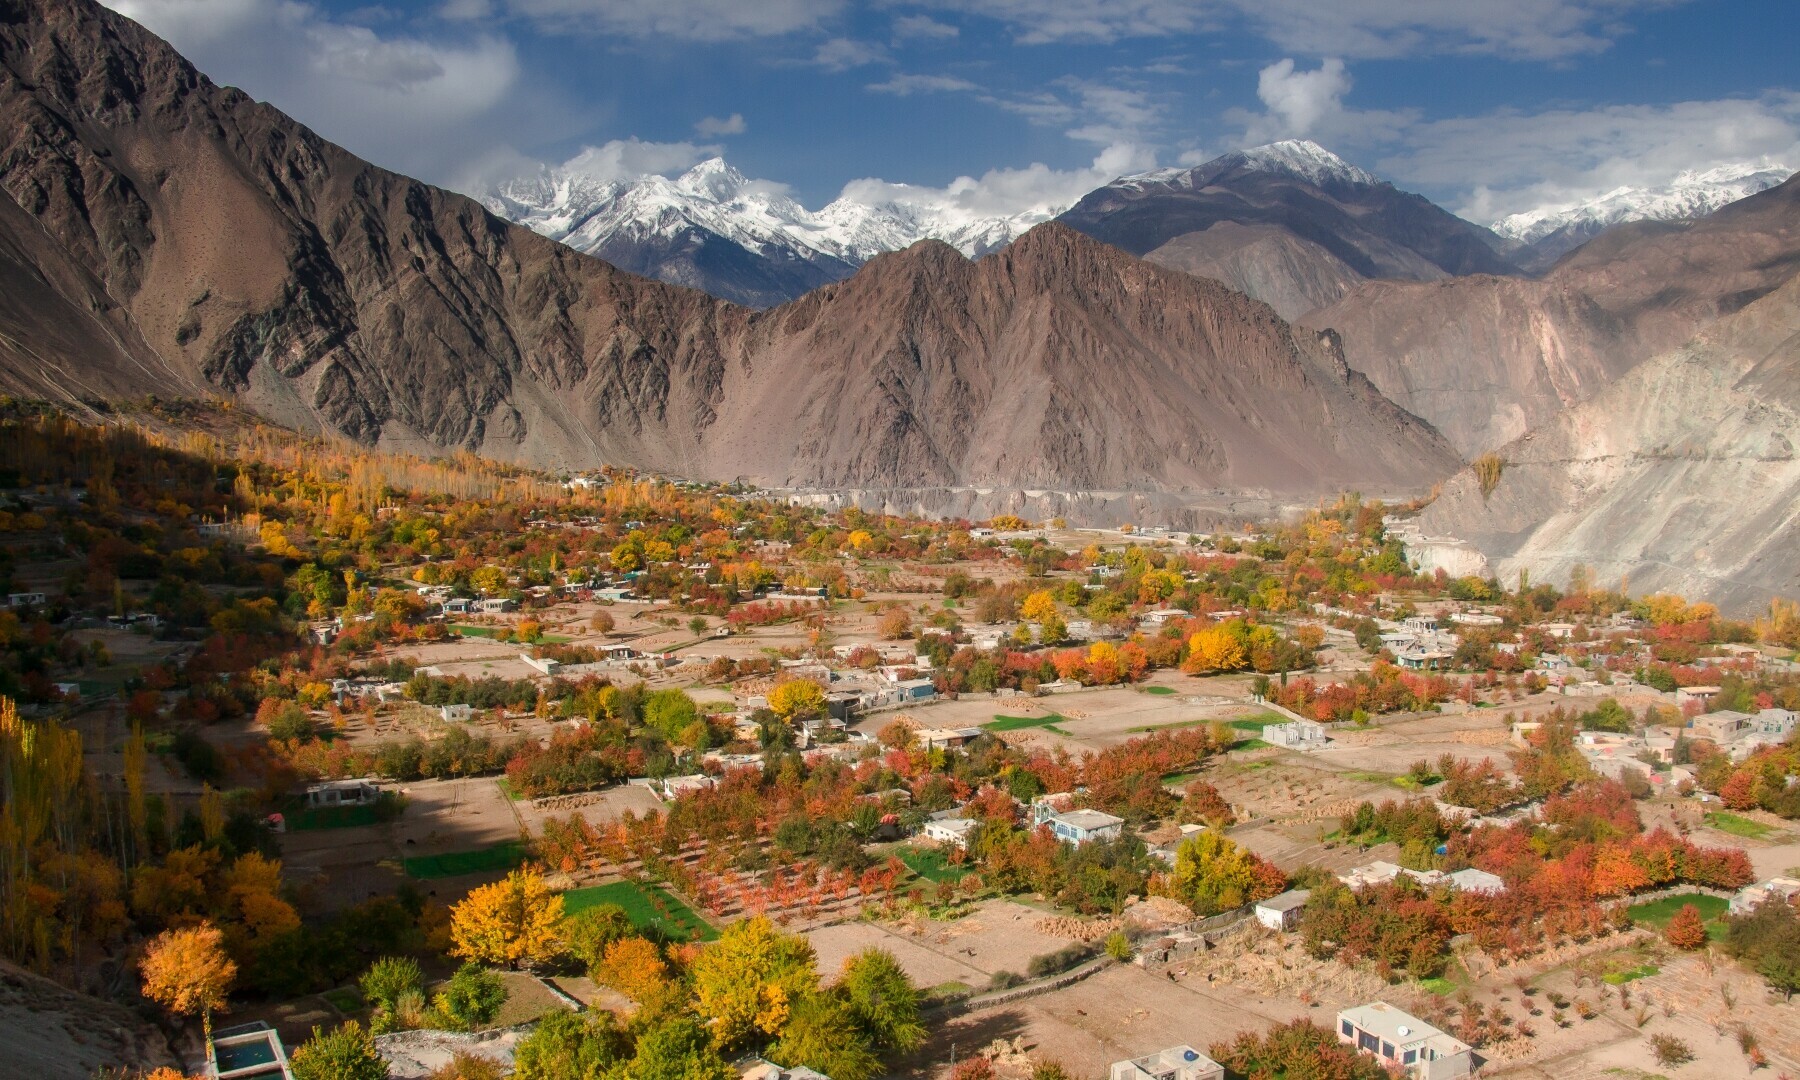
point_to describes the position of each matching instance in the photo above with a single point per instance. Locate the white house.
(1296, 735)
(342, 793)
(456, 714)
(1079, 827)
(1751, 897)
(1402, 1039)
(954, 831)
(1283, 911)
(1175, 1063)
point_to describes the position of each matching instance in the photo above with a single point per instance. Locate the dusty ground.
(998, 935)
(52, 1033)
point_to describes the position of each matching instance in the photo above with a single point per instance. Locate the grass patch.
(1657, 913)
(1160, 691)
(1366, 777)
(932, 864)
(1255, 723)
(507, 789)
(1251, 744)
(1438, 985)
(1620, 978)
(502, 856)
(1737, 825)
(344, 999)
(650, 907)
(302, 818)
(1141, 729)
(1019, 723)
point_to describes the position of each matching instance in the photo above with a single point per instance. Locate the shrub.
(1061, 960)
(1670, 1051)
(345, 1054)
(1118, 946)
(390, 977)
(470, 1000)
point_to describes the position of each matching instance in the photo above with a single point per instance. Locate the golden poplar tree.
(511, 922)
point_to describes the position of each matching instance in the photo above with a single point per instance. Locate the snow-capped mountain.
(745, 240)
(1549, 232)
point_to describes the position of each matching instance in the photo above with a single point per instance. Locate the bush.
(345, 1054)
(1061, 960)
(390, 977)
(470, 1000)
(1670, 1051)
(465, 1066)
(1004, 980)
(1118, 946)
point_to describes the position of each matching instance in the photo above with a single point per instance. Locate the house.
(25, 599)
(1402, 1039)
(1476, 881)
(1751, 897)
(1175, 1063)
(1283, 911)
(757, 1068)
(1477, 618)
(498, 605)
(456, 714)
(247, 1052)
(539, 663)
(1079, 827)
(460, 605)
(1721, 727)
(916, 689)
(954, 831)
(1562, 631)
(674, 787)
(1701, 695)
(949, 738)
(1423, 659)
(1381, 872)
(1296, 735)
(341, 793)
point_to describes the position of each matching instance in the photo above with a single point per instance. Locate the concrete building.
(1751, 897)
(1401, 1039)
(947, 738)
(1283, 912)
(954, 831)
(1476, 881)
(1079, 827)
(247, 1052)
(341, 793)
(1296, 735)
(1175, 1063)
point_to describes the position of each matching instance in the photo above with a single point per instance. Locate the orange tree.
(186, 971)
(511, 922)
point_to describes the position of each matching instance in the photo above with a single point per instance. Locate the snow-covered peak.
(1691, 194)
(1302, 158)
(713, 180)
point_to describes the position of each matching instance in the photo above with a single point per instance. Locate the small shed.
(1283, 911)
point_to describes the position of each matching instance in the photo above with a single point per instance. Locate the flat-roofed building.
(1399, 1038)
(1176, 1063)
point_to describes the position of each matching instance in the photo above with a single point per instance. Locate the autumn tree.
(345, 1054)
(633, 967)
(1038, 606)
(747, 981)
(895, 624)
(512, 922)
(677, 1049)
(1214, 649)
(186, 971)
(822, 1034)
(1213, 874)
(601, 623)
(883, 1000)
(570, 1046)
(797, 697)
(1687, 930)
(587, 933)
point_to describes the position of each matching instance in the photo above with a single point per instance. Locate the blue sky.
(1488, 106)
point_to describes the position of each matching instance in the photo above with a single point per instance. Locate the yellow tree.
(1038, 606)
(186, 971)
(1214, 649)
(797, 697)
(748, 980)
(511, 922)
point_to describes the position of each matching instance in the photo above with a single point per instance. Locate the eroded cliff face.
(194, 241)
(1485, 359)
(1680, 477)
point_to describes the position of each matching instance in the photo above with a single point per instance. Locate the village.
(1112, 801)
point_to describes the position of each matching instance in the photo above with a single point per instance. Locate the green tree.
(748, 980)
(883, 1000)
(345, 1054)
(570, 1046)
(588, 933)
(677, 1049)
(669, 712)
(1212, 874)
(471, 999)
(823, 1034)
(388, 978)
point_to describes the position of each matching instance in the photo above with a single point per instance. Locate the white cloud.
(1531, 29)
(1310, 104)
(713, 126)
(1493, 165)
(907, 85)
(465, 10)
(1008, 192)
(842, 54)
(629, 159)
(1114, 115)
(923, 27)
(421, 105)
(687, 20)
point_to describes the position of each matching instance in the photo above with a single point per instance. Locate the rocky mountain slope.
(213, 243)
(1486, 359)
(1323, 225)
(1548, 233)
(1682, 476)
(717, 230)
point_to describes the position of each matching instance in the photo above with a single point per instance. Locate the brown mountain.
(1682, 476)
(1487, 358)
(167, 235)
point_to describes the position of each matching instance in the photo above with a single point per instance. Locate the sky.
(1488, 107)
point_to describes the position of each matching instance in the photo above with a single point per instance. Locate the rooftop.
(1399, 1027)
(1088, 820)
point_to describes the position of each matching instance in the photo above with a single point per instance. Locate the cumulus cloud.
(713, 126)
(1531, 29)
(686, 20)
(908, 85)
(421, 105)
(1310, 104)
(842, 54)
(923, 27)
(1493, 165)
(630, 159)
(1035, 190)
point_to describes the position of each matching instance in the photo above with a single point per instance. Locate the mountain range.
(163, 235)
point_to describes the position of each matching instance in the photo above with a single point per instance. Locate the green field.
(1737, 825)
(1176, 726)
(648, 906)
(1019, 723)
(1657, 913)
(1620, 978)
(1160, 691)
(931, 864)
(502, 856)
(300, 818)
